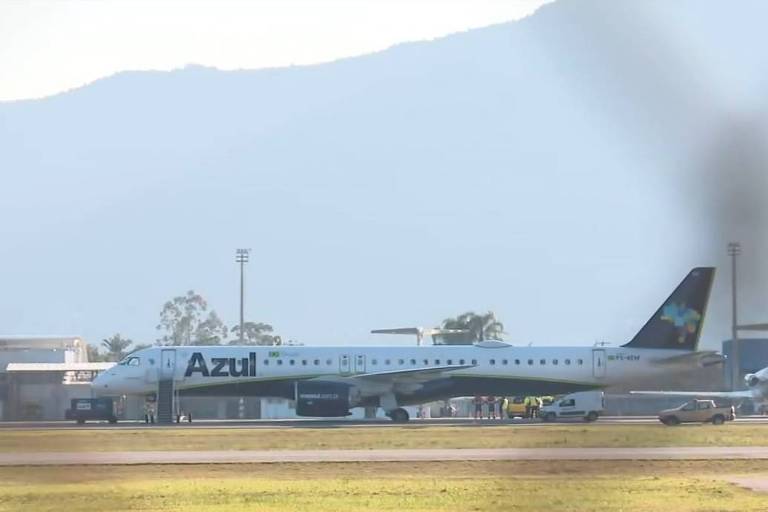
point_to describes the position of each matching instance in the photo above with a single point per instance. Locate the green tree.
(254, 333)
(94, 356)
(185, 320)
(478, 327)
(115, 346)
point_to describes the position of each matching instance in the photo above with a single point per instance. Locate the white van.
(585, 404)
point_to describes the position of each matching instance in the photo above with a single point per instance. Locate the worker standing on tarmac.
(527, 403)
(491, 407)
(478, 401)
(537, 403)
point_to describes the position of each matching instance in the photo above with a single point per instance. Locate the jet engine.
(754, 380)
(322, 399)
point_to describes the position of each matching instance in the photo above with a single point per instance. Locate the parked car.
(697, 411)
(588, 405)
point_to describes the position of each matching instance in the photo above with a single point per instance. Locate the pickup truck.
(697, 411)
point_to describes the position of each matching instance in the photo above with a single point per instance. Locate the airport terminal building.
(40, 374)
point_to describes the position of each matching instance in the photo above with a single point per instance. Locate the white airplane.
(757, 390)
(329, 381)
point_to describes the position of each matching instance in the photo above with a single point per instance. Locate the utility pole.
(734, 250)
(241, 257)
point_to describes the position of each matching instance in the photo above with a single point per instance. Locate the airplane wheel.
(399, 415)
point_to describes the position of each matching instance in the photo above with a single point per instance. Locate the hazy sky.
(50, 46)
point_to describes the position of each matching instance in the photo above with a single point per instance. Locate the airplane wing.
(411, 374)
(703, 394)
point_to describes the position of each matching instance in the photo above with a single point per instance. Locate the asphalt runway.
(342, 423)
(391, 455)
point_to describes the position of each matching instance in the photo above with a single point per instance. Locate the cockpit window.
(130, 361)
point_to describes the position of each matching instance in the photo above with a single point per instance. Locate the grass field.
(502, 436)
(457, 486)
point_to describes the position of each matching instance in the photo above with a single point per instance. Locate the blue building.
(753, 356)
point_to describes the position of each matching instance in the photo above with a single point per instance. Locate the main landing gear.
(399, 415)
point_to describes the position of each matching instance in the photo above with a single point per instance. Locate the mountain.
(565, 171)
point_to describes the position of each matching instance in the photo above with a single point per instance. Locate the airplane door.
(598, 363)
(167, 363)
(345, 365)
(360, 363)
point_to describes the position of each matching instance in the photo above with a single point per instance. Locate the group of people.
(490, 407)
(493, 407)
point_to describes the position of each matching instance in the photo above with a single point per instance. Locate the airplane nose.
(100, 385)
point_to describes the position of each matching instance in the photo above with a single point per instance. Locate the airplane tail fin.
(678, 322)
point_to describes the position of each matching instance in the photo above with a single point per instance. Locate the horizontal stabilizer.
(702, 394)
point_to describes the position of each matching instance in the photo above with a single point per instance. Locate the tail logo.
(685, 319)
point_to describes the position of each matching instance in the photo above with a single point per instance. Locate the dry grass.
(531, 485)
(411, 436)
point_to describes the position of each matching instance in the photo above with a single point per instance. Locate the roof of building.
(41, 342)
(58, 367)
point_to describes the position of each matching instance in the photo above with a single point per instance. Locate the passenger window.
(266, 362)
(579, 362)
(317, 362)
(426, 362)
(374, 362)
(413, 362)
(504, 361)
(134, 361)
(461, 361)
(530, 362)
(387, 362)
(554, 361)
(567, 362)
(303, 362)
(568, 403)
(517, 361)
(703, 405)
(279, 362)
(542, 361)
(291, 362)
(450, 361)
(492, 361)
(437, 361)
(400, 362)
(474, 361)
(328, 362)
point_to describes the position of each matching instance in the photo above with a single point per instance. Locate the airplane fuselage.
(490, 369)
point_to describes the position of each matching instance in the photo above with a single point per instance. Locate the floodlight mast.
(734, 250)
(241, 257)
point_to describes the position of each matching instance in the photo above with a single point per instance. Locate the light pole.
(241, 257)
(734, 250)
